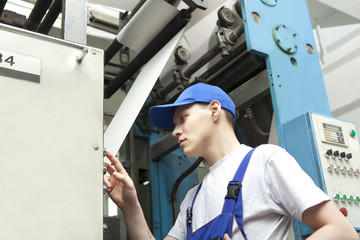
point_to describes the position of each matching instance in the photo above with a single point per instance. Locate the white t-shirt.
(274, 190)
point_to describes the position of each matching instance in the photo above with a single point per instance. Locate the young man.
(274, 188)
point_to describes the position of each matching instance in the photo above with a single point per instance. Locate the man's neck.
(222, 145)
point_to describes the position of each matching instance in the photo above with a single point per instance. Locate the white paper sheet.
(136, 97)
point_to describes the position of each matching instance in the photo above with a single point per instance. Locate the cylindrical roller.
(213, 52)
(239, 72)
(2, 5)
(165, 35)
(224, 61)
(232, 36)
(115, 45)
(50, 18)
(37, 14)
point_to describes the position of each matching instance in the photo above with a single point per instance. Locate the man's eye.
(182, 118)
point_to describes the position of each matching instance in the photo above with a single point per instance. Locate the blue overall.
(223, 223)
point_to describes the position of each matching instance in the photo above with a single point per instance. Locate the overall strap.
(239, 176)
(189, 213)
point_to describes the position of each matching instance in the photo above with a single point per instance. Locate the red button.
(344, 211)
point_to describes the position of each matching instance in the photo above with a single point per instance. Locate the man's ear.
(215, 108)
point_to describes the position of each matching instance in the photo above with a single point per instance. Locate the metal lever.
(202, 4)
(80, 57)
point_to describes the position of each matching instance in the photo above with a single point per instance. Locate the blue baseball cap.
(162, 115)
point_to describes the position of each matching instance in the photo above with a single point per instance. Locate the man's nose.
(176, 132)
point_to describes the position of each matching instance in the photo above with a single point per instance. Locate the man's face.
(193, 128)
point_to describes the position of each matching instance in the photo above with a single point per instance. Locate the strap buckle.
(188, 216)
(217, 238)
(233, 189)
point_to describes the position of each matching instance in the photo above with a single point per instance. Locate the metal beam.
(349, 7)
(74, 21)
(163, 147)
(251, 90)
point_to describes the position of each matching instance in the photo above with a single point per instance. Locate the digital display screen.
(332, 127)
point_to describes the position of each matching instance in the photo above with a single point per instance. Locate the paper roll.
(149, 20)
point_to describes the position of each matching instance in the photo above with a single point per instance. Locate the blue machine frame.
(296, 81)
(281, 31)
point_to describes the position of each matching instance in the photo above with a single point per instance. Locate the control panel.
(337, 143)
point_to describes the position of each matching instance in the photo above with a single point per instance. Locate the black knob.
(342, 154)
(329, 152)
(349, 155)
(336, 153)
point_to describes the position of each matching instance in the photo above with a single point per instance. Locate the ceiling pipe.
(2, 5)
(50, 18)
(37, 14)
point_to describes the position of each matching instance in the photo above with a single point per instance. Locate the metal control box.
(339, 153)
(51, 138)
(328, 149)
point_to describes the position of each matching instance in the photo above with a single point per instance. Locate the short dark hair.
(230, 117)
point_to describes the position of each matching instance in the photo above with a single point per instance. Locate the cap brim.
(162, 115)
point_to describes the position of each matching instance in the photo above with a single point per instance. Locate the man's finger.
(106, 181)
(110, 169)
(115, 162)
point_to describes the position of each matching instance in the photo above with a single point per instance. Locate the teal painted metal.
(285, 39)
(301, 143)
(270, 2)
(296, 82)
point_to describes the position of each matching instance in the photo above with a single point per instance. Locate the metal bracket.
(202, 4)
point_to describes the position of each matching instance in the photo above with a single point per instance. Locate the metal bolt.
(93, 52)
(96, 147)
(310, 48)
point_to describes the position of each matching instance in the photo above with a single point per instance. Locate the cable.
(187, 172)
(249, 114)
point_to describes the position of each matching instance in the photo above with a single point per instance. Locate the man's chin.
(189, 154)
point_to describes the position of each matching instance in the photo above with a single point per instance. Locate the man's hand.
(122, 191)
(226, 237)
(119, 185)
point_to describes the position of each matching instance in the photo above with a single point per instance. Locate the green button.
(351, 199)
(344, 197)
(358, 199)
(352, 133)
(337, 197)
